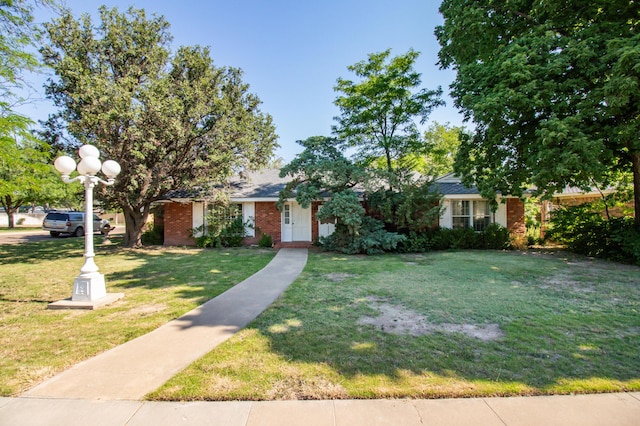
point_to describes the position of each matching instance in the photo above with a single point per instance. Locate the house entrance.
(296, 223)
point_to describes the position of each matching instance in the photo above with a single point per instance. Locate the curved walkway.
(132, 370)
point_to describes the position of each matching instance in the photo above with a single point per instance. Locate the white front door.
(296, 223)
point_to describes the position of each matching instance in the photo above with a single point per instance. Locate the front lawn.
(160, 284)
(443, 324)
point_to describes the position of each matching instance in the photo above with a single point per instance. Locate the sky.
(293, 51)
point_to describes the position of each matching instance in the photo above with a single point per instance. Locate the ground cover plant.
(440, 324)
(159, 284)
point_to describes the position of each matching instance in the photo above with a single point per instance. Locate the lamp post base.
(92, 304)
(88, 287)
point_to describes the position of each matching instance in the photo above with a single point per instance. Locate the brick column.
(515, 216)
(178, 221)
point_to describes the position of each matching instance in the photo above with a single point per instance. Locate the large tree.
(553, 88)
(380, 112)
(171, 120)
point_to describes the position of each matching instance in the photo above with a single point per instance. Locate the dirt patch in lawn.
(338, 277)
(397, 319)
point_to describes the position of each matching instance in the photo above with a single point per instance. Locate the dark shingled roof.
(453, 188)
(261, 184)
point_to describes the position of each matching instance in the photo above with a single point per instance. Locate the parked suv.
(71, 223)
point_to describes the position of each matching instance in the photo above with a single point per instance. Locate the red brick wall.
(267, 221)
(515, 216)
(178, 220)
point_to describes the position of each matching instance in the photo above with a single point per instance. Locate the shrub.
(372, 238)
(217, 236)
(153, 236)
(495, 237)
(584, 231)
(265, 241)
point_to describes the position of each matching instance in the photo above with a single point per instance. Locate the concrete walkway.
(132, 370)
(582, 410)
(106, 390)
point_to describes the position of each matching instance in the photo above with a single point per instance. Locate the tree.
(25, 176)
(553, 88)
(379, 113)
(171, 121)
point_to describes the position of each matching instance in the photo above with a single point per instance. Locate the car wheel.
(54, 234)
(79, 231)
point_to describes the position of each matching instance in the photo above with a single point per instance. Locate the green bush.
(217, 237)
(265, 241)
(371, 238)
(584, 231)
(493, 237)
(153, 236)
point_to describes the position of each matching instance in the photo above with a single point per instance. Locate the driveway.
(19, 237)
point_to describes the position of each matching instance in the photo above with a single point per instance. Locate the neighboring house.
(255, 198)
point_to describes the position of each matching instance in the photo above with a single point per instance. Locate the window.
(481, 215)
(221, 216)
(460, 214)
(287, 214)
(474, 214)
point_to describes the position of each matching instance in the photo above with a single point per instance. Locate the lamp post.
(89, 285)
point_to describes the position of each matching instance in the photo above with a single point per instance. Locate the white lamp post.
(89, 285)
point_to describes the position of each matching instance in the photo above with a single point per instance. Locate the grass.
(160, 284)
(565, 324)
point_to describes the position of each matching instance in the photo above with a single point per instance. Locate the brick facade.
(178, 221)
(515, 216)
(266, 221)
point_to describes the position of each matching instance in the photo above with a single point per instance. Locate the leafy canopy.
(553, 90)
(379, 113)
(172, 120)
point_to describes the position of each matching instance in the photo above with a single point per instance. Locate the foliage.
(553, 89)
(25, 176)
(494, 237)
(172, 121)
(222, 228)
(345, 209)
(266, 241)
(154, 235)
(18, 33)
(354, 232)
(371, 238)
(584, 230)
(412, 204)
(320, 169)
(378, 113)
(440, 146)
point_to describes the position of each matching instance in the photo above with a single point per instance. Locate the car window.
(95, 217)
(57, 216)
(75, 217)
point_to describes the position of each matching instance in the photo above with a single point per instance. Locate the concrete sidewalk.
(583, 410)
(132, 370)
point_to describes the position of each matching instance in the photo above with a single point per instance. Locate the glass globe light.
(89, 166)
(89, 151)
(111, 169)
(65, 165)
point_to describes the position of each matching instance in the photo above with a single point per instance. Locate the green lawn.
(160, 284)
(443, 324)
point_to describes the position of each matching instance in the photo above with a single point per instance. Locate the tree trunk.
(9, 209)
(635, 164)
(134, 219)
